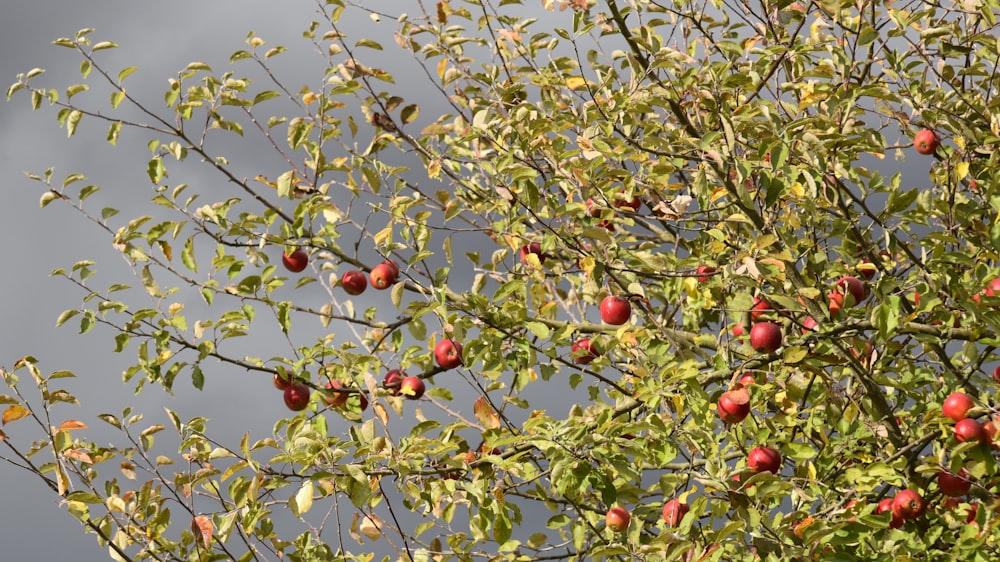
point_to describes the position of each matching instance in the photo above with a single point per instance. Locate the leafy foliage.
(603, 149)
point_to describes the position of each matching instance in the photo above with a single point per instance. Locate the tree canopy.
(648, 281)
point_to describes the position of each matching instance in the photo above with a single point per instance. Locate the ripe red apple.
(384, 274)
(956, 406)
(853, 286)
(532, 248)
(952, 484)
(765, 337)
(296, 261)
(412, 387)
(886, 505)
(618, 519)
(926, 141)
(625, 204)
(615, 310)
(392, 381)
(764, 459)
(746, 379)
(280, 382)
(738, 330)
(705, 273)
(760, 306)
(734, 404)
(448, 353)
(354, 282)
(908, 504)
(969, 429)
(336, 399)
(297, 396)
(674, 511)
(996, 374)
(583, 351)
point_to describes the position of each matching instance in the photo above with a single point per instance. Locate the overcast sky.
(160, 38)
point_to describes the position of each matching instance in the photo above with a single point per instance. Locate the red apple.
(297, 396)
(583, 351)
(625, 204)
(617, 519)
(734, 404)
(990, 427)
(392, 381)
(853, 286)
(705, 273)
(336, 399)
(296, 261)
(760, 306)
(674, 511)
(615, 310)
(765, 337)
(952, 484)
(809, 325)
(280, 382)
(996, 374)
(448, 353)
(354, 282)
(746, 379)
(532, 248)
(970, 430)
(384, 274)
(956, 406)
(886, 505)
(412, 387)
(764, 459)
(738, 330)
(908, 504)
(926, 141)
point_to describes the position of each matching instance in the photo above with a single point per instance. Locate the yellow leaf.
(485, 413)
(371, 526)
(14, 413)
(77, 454)
(302, 501)
(575, 82)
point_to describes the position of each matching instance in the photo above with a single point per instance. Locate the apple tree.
(645, 280)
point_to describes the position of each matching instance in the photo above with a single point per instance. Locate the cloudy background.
(159, 38)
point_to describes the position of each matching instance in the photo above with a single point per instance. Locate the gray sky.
(160, 39)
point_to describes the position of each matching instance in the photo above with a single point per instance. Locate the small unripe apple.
(952, 484)
(584, 351)
(336, 399)
(956, 406)
(765, 337)
(618, 519)
(615, 310)
(926, 141)
(297, 397)
(448, 353)
(532, 248)
(412, 387)
(908, 505)
(969, 429)
(764, 459)
(674, 511)
(384, 274)
(392, 381)
(296, 261)
(705, 273)
(734, 404)
(354, 282)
